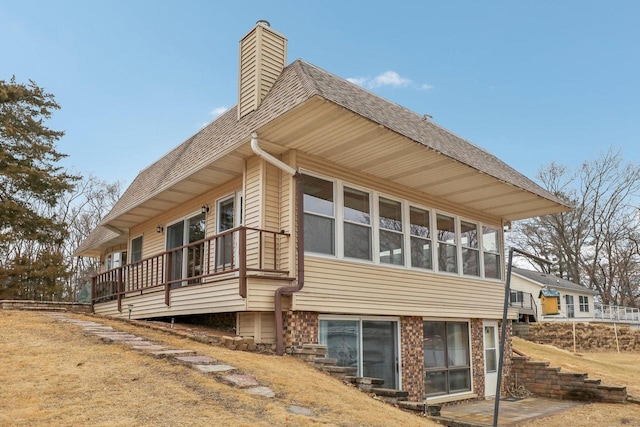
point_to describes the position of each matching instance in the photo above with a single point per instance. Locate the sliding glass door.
(185, 262)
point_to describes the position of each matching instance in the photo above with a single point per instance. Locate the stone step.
(412, 406)
(340, 369)
(325, 361)
(314, 346)
(391, 400)
(364, 380)
(390, 392)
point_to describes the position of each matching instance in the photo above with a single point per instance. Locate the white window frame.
(360, 319)
(185, 235)
(139, 236)
(374, 195)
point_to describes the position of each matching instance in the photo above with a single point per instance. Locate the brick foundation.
(411, 339)
(300, 327)
(507, 366)
(477, 357)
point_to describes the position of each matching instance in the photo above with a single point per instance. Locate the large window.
(352, 223)
(446, 358)
(319, 215)
(421, 256)
(470, 248)
(584, 304)
(185, 262)
(447, 248)
(491, 251)
(391, 232)
(357, 224)
(225, 212)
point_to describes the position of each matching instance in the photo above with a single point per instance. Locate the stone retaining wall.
(45, 305)
(589, 336)
(545, 381)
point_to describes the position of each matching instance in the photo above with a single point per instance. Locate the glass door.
(571, 312)
(175, 239)
(379, 351)
(195, 254)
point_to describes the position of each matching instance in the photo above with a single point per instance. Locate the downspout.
(299, 218)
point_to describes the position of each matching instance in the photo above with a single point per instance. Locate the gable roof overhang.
(322, 115)
(550, 281)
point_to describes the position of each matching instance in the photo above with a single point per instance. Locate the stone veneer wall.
(477, 356)
(507, 367)
(412, 348)
(300, 327)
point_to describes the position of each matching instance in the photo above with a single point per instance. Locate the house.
(315, 211)
(529, 288)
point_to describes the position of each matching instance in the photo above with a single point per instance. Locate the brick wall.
(411, 339)
(542, 380)
(507, 366)
(300, 327)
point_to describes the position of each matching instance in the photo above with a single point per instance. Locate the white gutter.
(268, 157)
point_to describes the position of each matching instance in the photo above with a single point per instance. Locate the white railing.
(614, 313)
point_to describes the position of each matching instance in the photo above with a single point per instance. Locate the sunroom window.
(447, 250)
(420, 231)
(470, 248)
(319, 215)
(491, 252)
(357, 224)
(391, 236)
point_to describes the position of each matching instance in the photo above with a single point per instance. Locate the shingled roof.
(299, 82)
(551, 281)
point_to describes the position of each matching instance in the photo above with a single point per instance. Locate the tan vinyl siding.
(218, 297)
(260, 294)
(253, 205)
(262, 59)
(259, 326)
(333, 286)
(287, 217)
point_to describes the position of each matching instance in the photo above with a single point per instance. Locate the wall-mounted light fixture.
(159, 229)
(204, 209)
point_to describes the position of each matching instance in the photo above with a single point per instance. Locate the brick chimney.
(263, 56)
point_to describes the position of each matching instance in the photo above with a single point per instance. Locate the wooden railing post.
(94, 281)
(167, 275)
(242, 262)
(119, 288)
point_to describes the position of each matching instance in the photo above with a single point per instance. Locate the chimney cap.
(263, 22)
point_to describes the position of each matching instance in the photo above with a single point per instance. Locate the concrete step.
(390, 392)
(412, 406)
(348, 370)
(364, 380)
(325, 361)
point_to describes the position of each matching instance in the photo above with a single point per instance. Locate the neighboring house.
(575, 301)
(371, 230)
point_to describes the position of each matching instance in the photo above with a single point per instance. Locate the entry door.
(175, 239)
(186, 263)
(571, 312)
(490, 357)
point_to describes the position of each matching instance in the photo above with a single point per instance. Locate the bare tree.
(596, 243)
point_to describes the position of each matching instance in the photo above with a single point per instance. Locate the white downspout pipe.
(268, 157)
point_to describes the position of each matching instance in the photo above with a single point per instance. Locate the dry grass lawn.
(51, 373)
(611, 368)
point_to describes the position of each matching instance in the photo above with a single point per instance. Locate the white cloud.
(218, 111)
(388, 79)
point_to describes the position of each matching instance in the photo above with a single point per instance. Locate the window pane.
(356, 206)
(318, 195)
(434, 344)
(196, 227)
(421, 253)
(492, 266)
(318, 234)
(447, 258)
(446, 229)
(225, 215)
(468, 234)
(490, 239)
(379, 351)
(470, 262)
(136, 249)
(357, 241)
(490, 356)
(457, 344)
(390, 214)
(391, 248)
(419, 222)
(459, 381)
(435, 383)
(342, 340)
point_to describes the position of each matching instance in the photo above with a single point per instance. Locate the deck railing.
(523, 300)
(614, 313)
(239, 251)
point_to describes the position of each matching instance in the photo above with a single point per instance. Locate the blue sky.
(530, 81)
